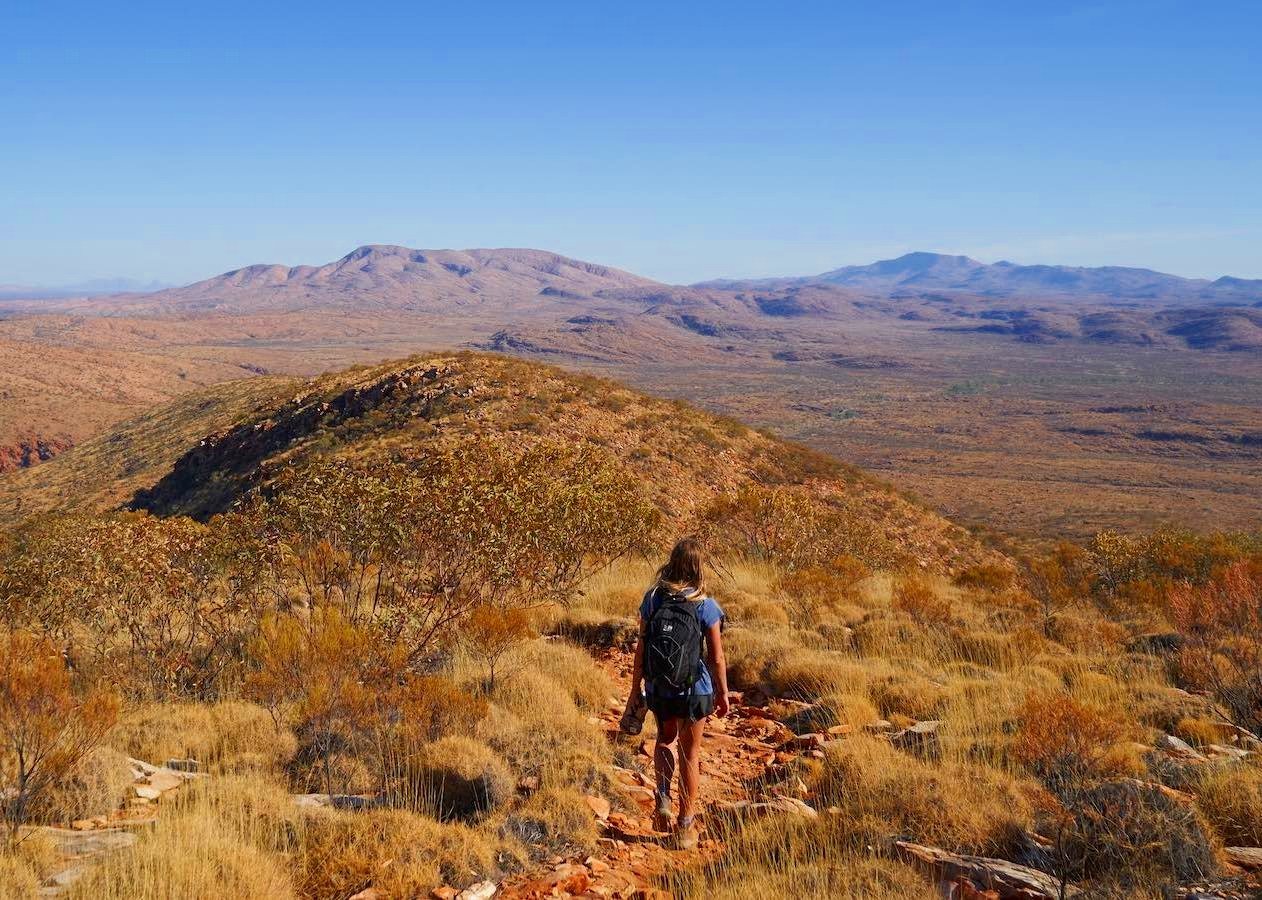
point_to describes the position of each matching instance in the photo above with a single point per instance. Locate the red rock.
(446, 892)
(805, 742)
(964, 889)
(598, 805)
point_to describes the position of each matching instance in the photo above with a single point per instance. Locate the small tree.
(1066, 744)
(1222, 621)
(409, 548)
(326, 676)
(490, 634)
(45, 729)
(1057, 582)
(917, 598)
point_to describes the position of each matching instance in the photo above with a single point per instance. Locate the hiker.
(679, 661)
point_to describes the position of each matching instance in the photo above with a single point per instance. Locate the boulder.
(921, 739)
(166, 779)
(141, 767)
(1177, 796)
(964, 889)
(146, 792)
(1178, 747)
(758, 696)
(1222, 751)
(803, 743)
(1245, 857)
(1007, 880)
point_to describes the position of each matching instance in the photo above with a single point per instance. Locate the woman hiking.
(679, 665)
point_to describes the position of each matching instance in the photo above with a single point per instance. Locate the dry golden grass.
(793, 858)
(23, 867)
(1230, 798)
(402, 854)
(96, 786)
(971, 808)
(230, 736)
(553, 820)
(455, 778)
(18, 880)
(220, 838)
(1200, 731)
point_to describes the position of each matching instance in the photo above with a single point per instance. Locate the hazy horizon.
(131, 284)
(681, 143)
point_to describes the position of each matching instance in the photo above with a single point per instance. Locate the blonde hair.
(685, 568)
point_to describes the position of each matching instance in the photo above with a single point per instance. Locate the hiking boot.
(686, 836)
(661, 816)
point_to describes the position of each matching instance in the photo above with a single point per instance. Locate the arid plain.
(1032, 400)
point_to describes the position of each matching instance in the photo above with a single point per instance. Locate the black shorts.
(694, 708)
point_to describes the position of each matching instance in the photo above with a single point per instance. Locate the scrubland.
(388, 649)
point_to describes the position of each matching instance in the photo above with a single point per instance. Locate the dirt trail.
(739, 753)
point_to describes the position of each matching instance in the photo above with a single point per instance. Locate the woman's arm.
(637, 666)
(718, 668)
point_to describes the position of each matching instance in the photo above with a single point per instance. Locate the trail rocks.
(996, 877)
(483, 890)
(729, 814)
(599, 806)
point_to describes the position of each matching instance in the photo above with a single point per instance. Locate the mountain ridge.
(928, 271)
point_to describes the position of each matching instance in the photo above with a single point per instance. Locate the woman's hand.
(722, 705)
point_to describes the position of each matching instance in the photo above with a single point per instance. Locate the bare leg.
(664, 759)
(690, 734)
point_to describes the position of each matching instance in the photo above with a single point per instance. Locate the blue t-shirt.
(710, 613)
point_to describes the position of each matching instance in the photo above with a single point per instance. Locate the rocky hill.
(385, 277)
(251, 434)
(914, 273)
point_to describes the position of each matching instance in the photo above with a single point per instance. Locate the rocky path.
(741, 753)
(745, 772)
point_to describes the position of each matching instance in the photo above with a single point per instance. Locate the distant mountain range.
(920, 272)
(93, 287)
(383, 277)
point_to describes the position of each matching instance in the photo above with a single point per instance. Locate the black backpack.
(672, 643)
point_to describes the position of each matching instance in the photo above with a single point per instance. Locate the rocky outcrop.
(31, 451)
(206, 480)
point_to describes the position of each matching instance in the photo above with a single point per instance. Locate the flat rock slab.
(72, 843)
(1245, 857)
(334, 801)
(1008, 880)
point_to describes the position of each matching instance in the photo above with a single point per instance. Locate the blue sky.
(679, 140)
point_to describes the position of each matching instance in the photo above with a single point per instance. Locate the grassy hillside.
(387, 613)
(105, 471)
(201, 454)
